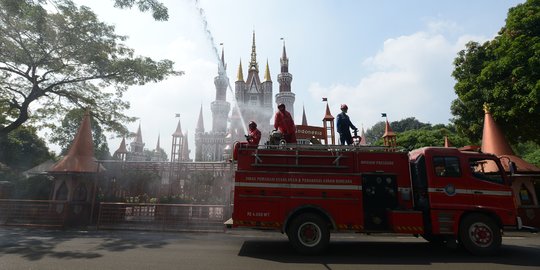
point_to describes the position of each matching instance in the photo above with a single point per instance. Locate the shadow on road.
(41, 243)
(388, 253)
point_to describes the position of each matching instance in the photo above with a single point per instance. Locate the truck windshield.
(486, 169)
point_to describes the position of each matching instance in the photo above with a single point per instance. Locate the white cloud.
(409, 77)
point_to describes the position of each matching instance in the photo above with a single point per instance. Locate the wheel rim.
(481, 234)
(309, 234)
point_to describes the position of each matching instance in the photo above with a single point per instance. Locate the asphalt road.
(244, 249)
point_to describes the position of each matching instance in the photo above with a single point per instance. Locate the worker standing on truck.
(344, 125)
(284, 122)
(254, 135)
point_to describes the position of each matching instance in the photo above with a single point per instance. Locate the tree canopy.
(54, 61)
(505, 74)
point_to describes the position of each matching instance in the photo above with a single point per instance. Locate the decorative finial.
(240, 75)
(486, 108)
(253, 64)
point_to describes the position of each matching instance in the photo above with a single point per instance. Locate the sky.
(381, 56)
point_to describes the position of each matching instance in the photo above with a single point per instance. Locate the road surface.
(23, 248)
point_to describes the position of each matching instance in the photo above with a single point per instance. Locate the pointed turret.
(328, 125)
(447, 142)
(304, 118)
(121, 152)
(389, 136)
(178, 131)
(200, 123)
(138, 135)
(157, 145)
(80, 157)
(363, 140)
(284, 60)
(253, 65)
(285, 95)
(240, 74)
(494, 142)
(222, 67)
(267, 73)
(177, 143)
(185, 148)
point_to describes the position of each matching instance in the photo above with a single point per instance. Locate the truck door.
(488, 185)
(448, 189)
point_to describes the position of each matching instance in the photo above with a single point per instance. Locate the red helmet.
(252, 124)
(344, 107)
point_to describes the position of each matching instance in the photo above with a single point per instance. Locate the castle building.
(209, 146)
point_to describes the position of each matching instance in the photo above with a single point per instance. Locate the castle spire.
(178, 131)
(267, 73)
(304, 118)
(138, 136)
(284, 60)
(253, 63)
(200, 122)
(240, 76)
(157, 145)
(222, 67)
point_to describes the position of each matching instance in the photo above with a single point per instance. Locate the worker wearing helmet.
(284, 122)
(344, 125)
(254, 135)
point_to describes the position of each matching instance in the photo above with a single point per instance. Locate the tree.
(25, 149)
(64, 134)
(376, 132)
(63, 60)
(505, 74)
(159, 11)
(429, 136)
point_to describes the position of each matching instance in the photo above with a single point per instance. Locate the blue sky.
(376, 56)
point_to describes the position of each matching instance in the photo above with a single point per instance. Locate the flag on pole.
(383, 114)
(324, 99)
(221, 43)
(177, 115)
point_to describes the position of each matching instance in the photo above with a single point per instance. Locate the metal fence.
(33, 213)
(163, 217)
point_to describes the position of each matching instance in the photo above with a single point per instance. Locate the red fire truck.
(442, 194)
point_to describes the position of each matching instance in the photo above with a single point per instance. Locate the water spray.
(221, 68)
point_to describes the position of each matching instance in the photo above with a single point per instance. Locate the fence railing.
(33, 213)
(163, 217)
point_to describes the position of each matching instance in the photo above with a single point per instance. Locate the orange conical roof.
(328, 115)
(388, 130)
(447, 142)
(494, 142)
(80, 158)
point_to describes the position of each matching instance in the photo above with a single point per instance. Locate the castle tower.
(254, 97)
(285, 95)
(121, 152)
(136, 152)
(220, 107)
(328, 125)
(389, 137)
(157, 155)
(177, 144)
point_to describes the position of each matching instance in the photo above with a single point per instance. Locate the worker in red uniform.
(284, 122)
(254, 136)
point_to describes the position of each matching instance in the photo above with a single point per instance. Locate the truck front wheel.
(309, 234)
(479, 234)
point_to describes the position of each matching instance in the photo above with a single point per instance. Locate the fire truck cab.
(309, 191)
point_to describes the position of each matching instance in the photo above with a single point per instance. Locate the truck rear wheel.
(309, 234)
(479, 234)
